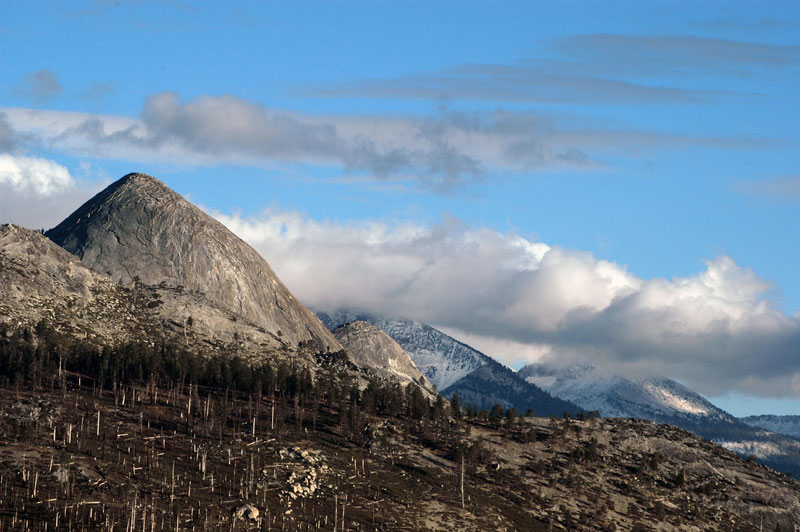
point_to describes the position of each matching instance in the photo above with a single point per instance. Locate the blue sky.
(541, 178)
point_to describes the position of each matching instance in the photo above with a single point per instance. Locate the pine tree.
(455, 407)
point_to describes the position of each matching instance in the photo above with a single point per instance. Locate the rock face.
(442, 359)
(41, 281)
(138, 229)
(373, 350)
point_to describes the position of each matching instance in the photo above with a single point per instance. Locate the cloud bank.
(523, 300)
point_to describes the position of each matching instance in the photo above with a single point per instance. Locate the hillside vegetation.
(144, 437)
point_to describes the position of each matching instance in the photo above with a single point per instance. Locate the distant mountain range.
(666, 401)
(456, 368)
(789, 425)
(658, 399)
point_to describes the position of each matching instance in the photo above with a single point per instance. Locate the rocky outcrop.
(41, 282)
(373, 350)
(139, 230)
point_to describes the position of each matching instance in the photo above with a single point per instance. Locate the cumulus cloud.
(33, 175)
(523, 300)
(37, 192)
(39, 86)
(442, 150)
(8, 138)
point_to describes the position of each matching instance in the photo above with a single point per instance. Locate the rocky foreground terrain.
(182, 458)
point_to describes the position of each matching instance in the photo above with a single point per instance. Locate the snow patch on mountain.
(617, 396)
(759, 449)
(670, 400)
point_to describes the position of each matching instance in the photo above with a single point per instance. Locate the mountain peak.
(144, 183)
(139, 230)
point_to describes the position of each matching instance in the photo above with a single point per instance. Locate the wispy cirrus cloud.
(525, 82)
(592, 69)
(682, 55)
(443, 150)
(783, 189)
(723, 24)
(98, 91)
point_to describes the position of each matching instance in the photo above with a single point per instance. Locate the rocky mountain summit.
(139, 230)
(373, 350)
(442, 359)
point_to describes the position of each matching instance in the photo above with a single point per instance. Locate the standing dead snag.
(462, 481)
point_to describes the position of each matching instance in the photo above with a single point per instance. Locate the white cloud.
(39, 193)
(33, 175)
(520, 300)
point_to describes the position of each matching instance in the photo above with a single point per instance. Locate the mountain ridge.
(476, 377)
(787, 424)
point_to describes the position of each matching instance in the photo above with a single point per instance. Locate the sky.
(562, 182)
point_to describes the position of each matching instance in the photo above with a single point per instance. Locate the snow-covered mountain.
(658, 399)
(666, 401)
(456, 368)
(789, 425)
(442, 359)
